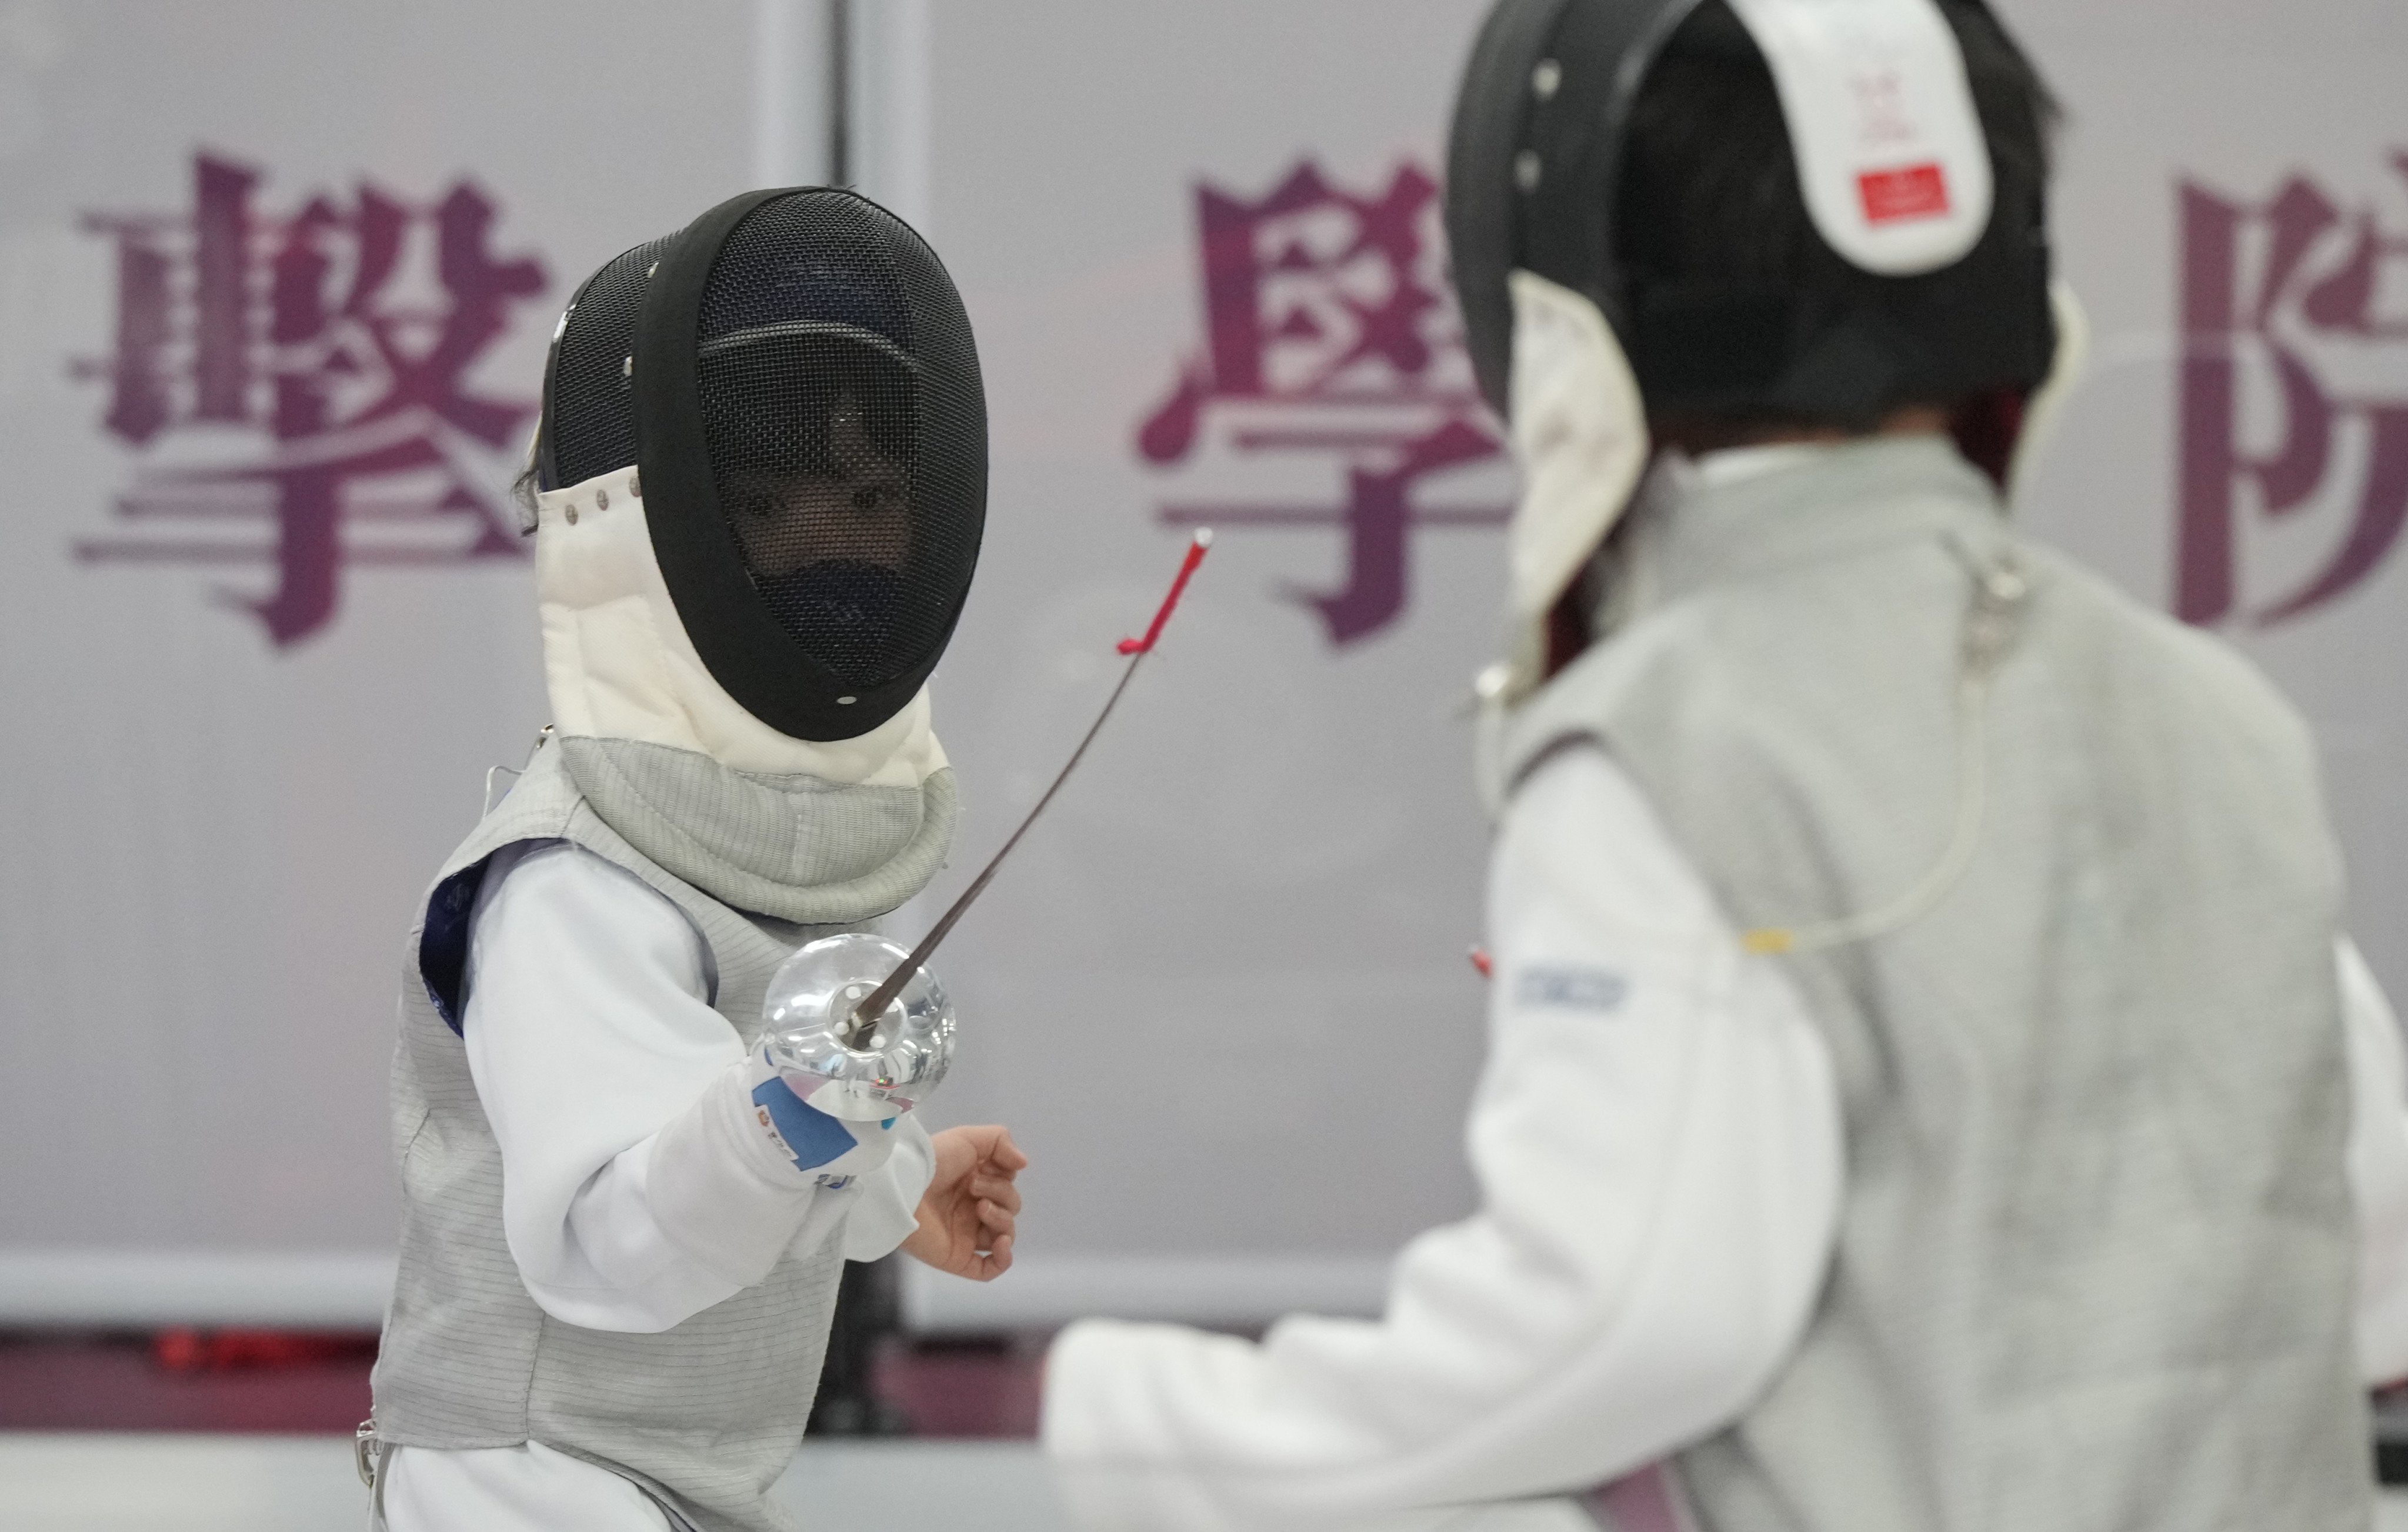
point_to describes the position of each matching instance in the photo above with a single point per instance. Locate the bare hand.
(970, 1212)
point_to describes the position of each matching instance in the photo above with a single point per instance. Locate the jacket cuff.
(1120, 1460)
(1105, 1383)
(722, 1187)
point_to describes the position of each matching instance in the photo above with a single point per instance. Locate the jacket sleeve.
(637, 1188)
(2379, 1170)
(1656, 1141)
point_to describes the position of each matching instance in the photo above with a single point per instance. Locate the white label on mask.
(1890, 153)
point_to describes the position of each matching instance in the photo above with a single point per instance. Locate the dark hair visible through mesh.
(847, 429)
(592, 419)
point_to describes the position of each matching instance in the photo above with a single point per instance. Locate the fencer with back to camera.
(760, 485)
(1928, 1086)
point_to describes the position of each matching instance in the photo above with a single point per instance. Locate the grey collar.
(793, 847)
(1852, 496)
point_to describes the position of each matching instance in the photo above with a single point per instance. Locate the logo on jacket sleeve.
(1572, 989)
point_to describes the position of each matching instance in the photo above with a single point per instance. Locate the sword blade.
(873, 1006)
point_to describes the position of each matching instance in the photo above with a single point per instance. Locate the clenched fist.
(969, 1212)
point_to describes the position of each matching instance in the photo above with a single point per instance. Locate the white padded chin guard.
(618, 664)
(1580, 434)
(2047, 405)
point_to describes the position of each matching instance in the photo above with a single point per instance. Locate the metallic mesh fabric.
(842, 402)
(592, 417)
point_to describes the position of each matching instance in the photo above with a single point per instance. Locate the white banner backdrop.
(275, 280)
(1223, 994)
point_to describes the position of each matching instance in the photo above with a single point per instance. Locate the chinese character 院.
(2313, 301)
(306, 378)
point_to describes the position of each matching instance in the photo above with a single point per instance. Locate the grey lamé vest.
(704, 1416)
(2094, 1266)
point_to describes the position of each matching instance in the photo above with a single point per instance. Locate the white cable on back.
(1998, 594)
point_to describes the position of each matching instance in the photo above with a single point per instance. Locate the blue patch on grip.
(812, 1137)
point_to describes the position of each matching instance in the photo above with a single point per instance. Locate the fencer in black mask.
(758, 494)
(795, 378)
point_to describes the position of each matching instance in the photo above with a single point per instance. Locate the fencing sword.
(844, 1044)
(874, 1004)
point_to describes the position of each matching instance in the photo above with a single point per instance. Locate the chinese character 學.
(309, 374)
(1329, 329)
(2293, 291)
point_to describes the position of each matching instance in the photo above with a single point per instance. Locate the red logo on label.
(1910, 191)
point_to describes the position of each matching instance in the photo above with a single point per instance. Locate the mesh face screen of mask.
(839, 401)
(592, 421)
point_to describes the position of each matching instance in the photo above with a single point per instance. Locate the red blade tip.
(1202, 540)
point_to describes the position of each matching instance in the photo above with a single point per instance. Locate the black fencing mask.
(795, 378)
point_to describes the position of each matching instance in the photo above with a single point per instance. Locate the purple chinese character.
(304, 373)
(1329, 329)
(2314, 291)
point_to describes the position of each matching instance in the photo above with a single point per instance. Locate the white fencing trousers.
(527, 1486)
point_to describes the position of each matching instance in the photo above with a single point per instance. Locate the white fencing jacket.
(588, 1030)
(1658, 1145)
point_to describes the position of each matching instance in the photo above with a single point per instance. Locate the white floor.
(89, 1482)
(196, 1483)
